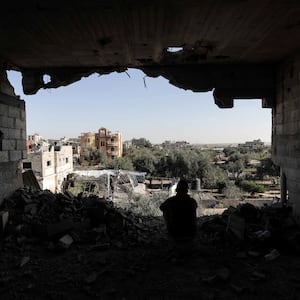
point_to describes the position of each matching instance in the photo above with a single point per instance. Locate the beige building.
(50, 165)
(104, 140)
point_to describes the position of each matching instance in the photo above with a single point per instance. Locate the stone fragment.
(210, 279)
(257, 276)
(237, 288)
(91, 278)
(272, 255)
(66, 241)
(24, 261)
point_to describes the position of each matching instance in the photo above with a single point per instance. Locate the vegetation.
(230, 171)
(251, 187)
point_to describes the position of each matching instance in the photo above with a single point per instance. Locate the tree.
(143, 160)
(123, 163)
(267, 167)
(141, 143)
(215, 177)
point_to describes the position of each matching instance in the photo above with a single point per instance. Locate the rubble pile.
(63, 219)
(58, 246)
(256, 230)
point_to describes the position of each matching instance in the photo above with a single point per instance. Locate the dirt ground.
(144, 270)
(125, 256)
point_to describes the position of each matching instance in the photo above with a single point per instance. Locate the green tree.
(123, 163)
(267, 167)
(144, 160)
(141, 143)
(214, 177)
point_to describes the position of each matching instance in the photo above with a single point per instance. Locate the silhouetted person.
(180, 216)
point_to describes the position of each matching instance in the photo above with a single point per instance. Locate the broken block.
(66, 241)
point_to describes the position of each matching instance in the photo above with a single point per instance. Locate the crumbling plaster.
(286, 128)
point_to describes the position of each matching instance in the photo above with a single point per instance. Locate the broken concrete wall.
(12, 143)
(286, 128)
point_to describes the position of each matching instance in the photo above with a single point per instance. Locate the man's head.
(182, 187)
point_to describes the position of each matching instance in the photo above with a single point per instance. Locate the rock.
(24, 261)
(272, 255)
(257, 276)
(237, 288)
(210, 279)
(66, 241)
(91, 278)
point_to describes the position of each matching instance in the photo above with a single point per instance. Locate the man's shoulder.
(167, 202)
(192, 200)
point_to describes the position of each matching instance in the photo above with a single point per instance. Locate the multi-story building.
(252, 144)
(50, 165)
(175, 144)
(104, 140)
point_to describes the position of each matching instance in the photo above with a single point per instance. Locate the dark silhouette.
(180, 216)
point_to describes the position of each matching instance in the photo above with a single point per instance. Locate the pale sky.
(154, 110)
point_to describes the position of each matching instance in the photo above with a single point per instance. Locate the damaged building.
(237, 50)
(104, 141)
(51, 165)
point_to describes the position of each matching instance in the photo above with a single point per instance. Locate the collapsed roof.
(230, 46)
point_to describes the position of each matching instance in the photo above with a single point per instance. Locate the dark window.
(27, 165)
(67, 160)
(1, 138)
(48, 163)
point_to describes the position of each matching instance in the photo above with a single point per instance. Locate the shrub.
(251, 187)
(231, 191)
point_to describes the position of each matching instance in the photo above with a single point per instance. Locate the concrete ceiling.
(231, 46)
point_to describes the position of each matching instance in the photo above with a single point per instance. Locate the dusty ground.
(145, 270)
(130, 257)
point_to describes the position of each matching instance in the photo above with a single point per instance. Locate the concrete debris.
(24, 261)
(272, 255)
(254, 230)
(64, 219)
(90, 247)
(258, 276)
(66, 241)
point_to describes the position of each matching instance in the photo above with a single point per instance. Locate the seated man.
(180, 216)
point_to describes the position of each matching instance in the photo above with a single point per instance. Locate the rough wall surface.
(12, 143)
(286, 128)
(63, 164)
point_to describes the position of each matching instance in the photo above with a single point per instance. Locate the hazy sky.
(155, 110)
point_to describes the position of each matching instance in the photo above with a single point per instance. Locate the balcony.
(112, 144)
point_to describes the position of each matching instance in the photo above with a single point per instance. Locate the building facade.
(50, 165)
(104, 140)
(252, 144)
